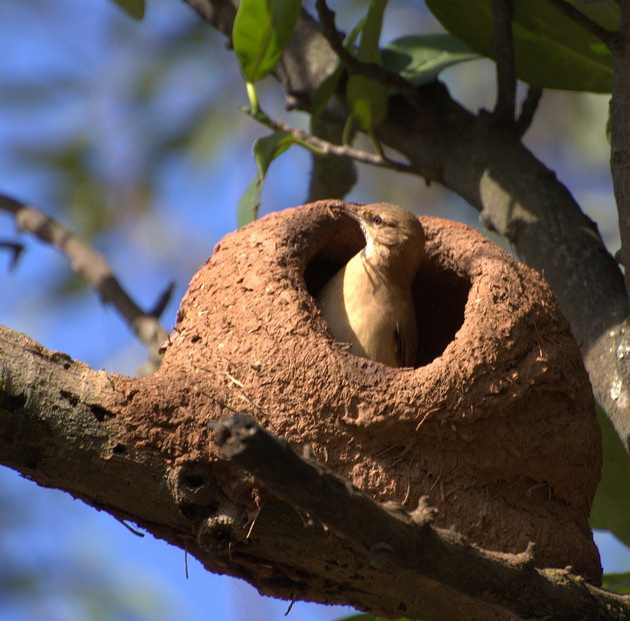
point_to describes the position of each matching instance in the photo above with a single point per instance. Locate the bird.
(368, 303)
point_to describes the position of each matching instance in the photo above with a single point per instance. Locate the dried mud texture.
(496, 424)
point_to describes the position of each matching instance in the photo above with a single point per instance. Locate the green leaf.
(620, 583)
(551, 50)
(611, 507)
(366, 98)
(262, 30)
(133, 8)
(420, 59)
(248, 204)
(265, 150)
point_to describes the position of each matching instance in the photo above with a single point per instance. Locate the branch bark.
(620, 133)
(503, 48)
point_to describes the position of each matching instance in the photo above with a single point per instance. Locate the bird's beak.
(350, 210)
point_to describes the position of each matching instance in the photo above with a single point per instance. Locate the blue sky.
(91, 54)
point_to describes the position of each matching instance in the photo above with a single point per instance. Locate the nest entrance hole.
(439, 293)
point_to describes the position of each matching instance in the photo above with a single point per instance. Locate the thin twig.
(503, 48)
(528, 109)
(16, 249)
(584, 21)
(90, 265)
(324, 147)
(354, 65)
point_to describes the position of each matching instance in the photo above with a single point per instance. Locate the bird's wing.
(405, 345)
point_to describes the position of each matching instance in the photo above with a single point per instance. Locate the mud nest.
(495, 424)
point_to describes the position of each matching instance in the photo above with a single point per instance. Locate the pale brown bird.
(368, 302)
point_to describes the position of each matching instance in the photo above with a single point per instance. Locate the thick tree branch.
(91, 266)
(390, 537)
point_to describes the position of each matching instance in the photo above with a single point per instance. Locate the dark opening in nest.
(439, 293)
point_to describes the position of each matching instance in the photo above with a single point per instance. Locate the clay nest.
(495, 424)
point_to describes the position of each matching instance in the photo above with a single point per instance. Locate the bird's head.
(390, 231)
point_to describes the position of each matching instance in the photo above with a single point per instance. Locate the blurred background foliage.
(131, 133)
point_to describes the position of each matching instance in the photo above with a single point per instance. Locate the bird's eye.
(377, 220)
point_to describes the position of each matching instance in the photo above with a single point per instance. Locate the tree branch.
(91, 266)
(591, 26)
(390, 537)
(620, 135)
(324, 147)
(528, 110)
(354, 65)
(503, 48)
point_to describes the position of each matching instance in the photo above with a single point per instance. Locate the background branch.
(91, 266)
(528, 109)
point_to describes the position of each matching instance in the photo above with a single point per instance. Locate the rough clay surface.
(496, 424)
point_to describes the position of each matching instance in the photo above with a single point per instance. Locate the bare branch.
(503, 49)
(91, 266)
(584, 21)
(528, 109)
(16, 249)
(329, 148)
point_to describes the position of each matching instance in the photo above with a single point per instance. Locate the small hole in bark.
(194, 512)
(193, 481)
(100, 413)
(119, 449)
(69, 397)
(12, 402)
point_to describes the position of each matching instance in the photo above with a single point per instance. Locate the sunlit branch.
(91, 266)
